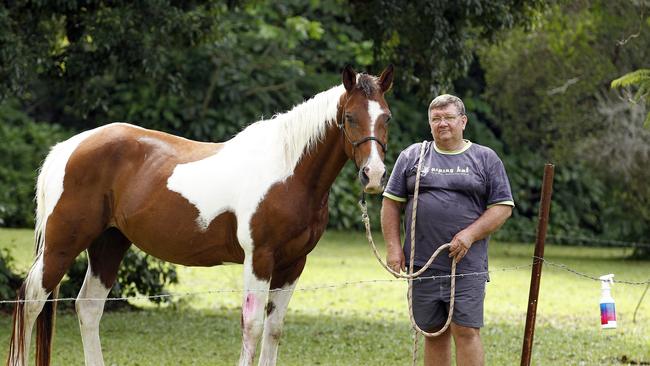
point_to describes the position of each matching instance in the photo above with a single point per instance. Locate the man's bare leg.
(469, 349)
(437, 350)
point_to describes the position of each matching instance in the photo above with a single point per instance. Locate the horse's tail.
(17, 343)
(16, 355)
(49, 167)
(45, 329)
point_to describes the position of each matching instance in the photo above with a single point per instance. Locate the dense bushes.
(9, 281)
(24, 144)
(139, 275)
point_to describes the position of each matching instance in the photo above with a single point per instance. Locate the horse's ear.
(386, 78)
(349, 77)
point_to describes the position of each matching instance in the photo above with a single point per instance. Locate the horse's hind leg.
(32, 296)
(65, 237)
(104, 257)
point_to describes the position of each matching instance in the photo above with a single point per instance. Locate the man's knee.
(466, 334)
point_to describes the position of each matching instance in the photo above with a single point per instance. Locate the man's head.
(447, 119)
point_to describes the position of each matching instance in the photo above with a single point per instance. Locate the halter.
(355, 144)
(361, 140)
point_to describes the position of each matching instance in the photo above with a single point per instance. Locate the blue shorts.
(431, 300)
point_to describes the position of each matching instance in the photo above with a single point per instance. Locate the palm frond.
(639, 78)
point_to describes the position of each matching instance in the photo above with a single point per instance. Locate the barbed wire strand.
(566, 268)
(307, 288)
(330, 286)
(579, 240)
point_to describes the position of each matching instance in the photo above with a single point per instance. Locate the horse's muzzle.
(373, 178)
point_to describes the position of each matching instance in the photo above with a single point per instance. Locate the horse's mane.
(301, 128)
(305, 124)
(297, 131)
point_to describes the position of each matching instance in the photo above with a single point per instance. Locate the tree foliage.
(435, 41)
(24, 145)
(546, 81)
(641, 79)
(550, 88)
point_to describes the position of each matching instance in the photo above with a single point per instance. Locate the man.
(464, 196)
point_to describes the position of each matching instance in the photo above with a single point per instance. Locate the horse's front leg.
(257, 275)
(282, 284)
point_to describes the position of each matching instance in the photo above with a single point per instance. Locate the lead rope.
(411, 276)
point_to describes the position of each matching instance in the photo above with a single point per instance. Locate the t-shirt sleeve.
(499, 192)
(396, 187)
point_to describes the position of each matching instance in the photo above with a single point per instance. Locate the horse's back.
(117, 175)
(119, 141)
(128, 163)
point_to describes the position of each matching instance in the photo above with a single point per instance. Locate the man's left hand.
(460, 245)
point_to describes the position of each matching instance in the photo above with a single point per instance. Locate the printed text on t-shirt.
(445, 171)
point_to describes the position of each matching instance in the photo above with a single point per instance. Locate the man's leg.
(430, 313)
(437, 350)
(469, 349)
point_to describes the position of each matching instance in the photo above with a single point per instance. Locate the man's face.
(447, 124)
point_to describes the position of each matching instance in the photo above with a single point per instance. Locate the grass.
(362, 319)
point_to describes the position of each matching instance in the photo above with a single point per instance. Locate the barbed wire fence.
(339, 284)
(585, 241)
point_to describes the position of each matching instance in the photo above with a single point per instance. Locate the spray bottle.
(607, 305)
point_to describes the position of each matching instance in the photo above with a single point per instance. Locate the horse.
(259, 199)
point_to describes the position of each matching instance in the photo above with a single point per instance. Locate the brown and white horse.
(259, 199)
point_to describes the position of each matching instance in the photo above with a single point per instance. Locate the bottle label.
(607, 313)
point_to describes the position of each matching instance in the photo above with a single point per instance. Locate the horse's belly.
(193, 254)
(181, 241)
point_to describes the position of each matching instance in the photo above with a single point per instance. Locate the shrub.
(9, 281)
(139, 275)
(24, 145)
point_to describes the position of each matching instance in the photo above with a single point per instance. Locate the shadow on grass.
(212, 337)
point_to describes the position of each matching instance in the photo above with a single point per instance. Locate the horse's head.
(363, 119)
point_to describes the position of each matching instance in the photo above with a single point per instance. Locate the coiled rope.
(411, 275)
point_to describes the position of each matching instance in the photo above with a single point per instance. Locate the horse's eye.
(350, 119)
(388, 119)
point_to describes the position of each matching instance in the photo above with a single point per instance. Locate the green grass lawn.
(362, 318)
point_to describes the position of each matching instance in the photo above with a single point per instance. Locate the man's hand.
(489, 222)
(395, 259)
(460, 245)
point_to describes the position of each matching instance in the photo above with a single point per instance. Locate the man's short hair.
(444, 100)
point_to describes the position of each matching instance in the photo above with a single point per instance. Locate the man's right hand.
(395, 259)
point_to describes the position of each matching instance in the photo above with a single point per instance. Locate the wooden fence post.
(536, 274)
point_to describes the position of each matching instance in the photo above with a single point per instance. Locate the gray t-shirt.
(455, 189)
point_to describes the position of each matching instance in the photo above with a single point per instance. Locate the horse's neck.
(319, 168)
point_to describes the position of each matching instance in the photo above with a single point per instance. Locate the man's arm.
(489, 222)
(390, 227)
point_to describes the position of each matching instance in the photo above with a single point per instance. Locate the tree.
(550, 88)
